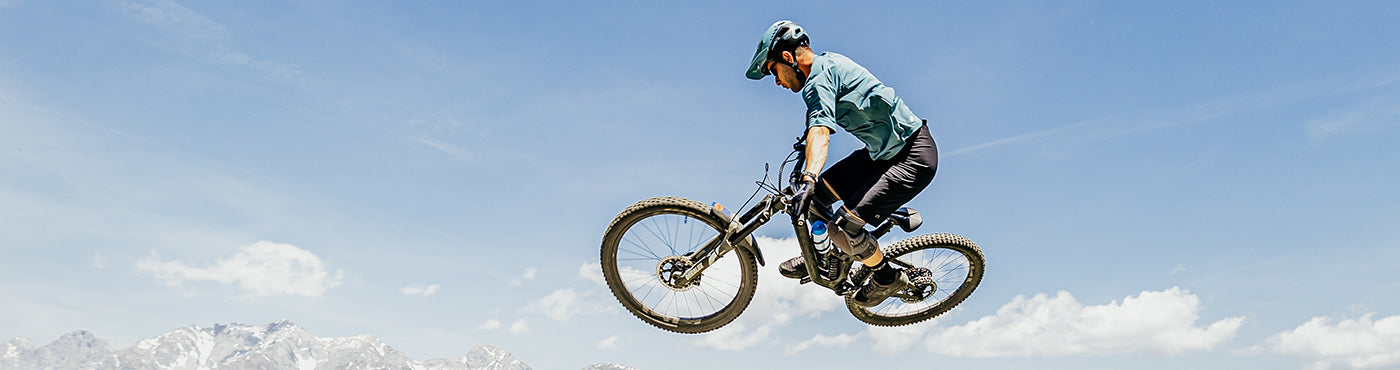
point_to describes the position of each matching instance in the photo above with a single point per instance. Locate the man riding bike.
(897, 163)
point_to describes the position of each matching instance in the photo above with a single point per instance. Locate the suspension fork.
(738, 234)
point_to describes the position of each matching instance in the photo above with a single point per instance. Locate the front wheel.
(951, 266)
(647, 247)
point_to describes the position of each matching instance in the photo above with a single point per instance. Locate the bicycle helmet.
(781, 36)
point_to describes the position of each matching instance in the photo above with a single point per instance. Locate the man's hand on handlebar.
(802, 194)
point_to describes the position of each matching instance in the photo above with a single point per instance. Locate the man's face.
(784, 76)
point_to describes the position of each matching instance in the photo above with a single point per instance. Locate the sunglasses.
(772, 68)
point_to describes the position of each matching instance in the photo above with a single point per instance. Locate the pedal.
(923, 288)
(919, 276)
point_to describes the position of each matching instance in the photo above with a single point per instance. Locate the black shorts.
(873, 189)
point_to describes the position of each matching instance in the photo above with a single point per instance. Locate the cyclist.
(898, 161)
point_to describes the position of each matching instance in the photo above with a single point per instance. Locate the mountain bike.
(687, 267)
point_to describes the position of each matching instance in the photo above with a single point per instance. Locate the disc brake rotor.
(671, 272)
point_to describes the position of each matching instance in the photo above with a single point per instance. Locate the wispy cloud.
(1017, 138)
(1372, 115)
(822, 341)
(529, 274)
(194, 33)
(566, 303)
(452, 150)
(520, 327)
(262, 269)
(489, 324)
(419, 290)
(607, 344)
(1118, 125)
(98, 260)
(1362, 343)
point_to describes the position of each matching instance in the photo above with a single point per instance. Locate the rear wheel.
(948, 268)
(644, 251)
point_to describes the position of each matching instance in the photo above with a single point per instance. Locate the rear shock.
(833, 264)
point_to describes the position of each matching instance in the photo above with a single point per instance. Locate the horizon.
(1155, 186)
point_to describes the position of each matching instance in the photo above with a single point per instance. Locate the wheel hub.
(671, 272)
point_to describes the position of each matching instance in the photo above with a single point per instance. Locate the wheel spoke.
(649, 228)
(641, 247)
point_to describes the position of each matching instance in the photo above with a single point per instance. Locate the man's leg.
(912, 171)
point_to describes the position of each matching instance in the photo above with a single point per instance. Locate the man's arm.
(818, 137)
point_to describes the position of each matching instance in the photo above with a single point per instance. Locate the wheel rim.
(950, 270)
(653, 247)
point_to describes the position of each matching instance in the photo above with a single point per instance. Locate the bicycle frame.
(738, 234)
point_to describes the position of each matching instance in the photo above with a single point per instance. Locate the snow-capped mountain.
(280, 345)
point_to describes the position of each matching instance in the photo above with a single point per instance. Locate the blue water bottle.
(819, 237)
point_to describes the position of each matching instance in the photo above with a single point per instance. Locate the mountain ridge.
(279, 345)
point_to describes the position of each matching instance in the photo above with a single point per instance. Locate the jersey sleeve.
(820, 95)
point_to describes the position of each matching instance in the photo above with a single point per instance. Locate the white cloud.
(607, 344)
(419, 290)
(261, 269)
(529, 274)
(777, 302)
(519, 327)
(563, 304)
(1152, 322)
(1358, 344)
(592, 271)
(490, 324)
(823, 341)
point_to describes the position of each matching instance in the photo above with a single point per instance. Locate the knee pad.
(854, 240)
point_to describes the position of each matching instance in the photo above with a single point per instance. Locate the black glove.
(802, 195)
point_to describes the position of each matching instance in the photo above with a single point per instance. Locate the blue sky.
(1155, 185)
